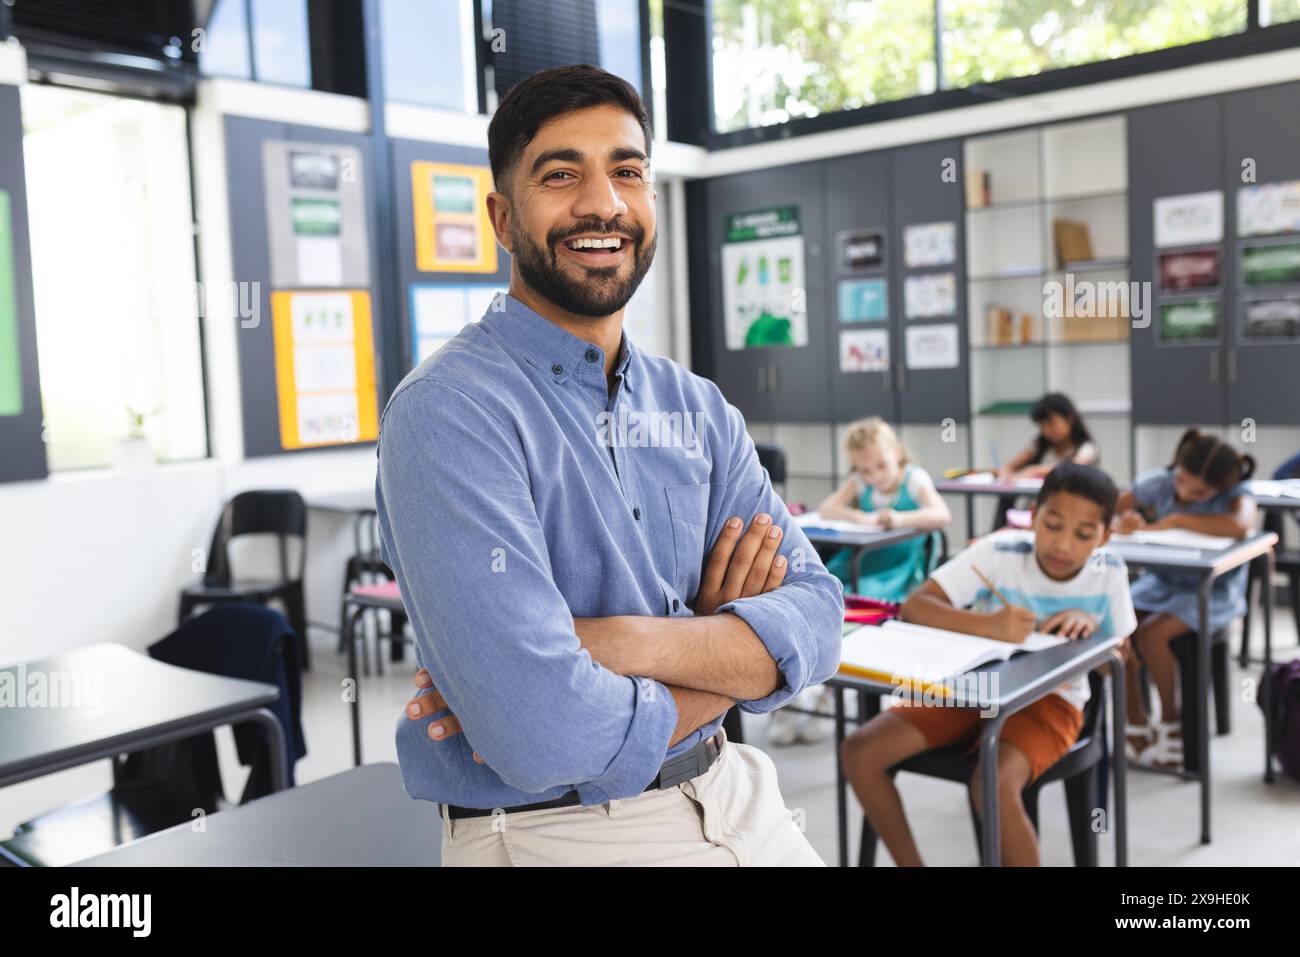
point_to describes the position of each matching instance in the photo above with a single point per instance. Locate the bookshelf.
(1049, 205)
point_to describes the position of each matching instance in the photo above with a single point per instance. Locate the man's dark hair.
(546, 95)
(1085, 481)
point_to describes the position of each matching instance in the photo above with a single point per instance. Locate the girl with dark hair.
(1200, 491)
(1062, 437)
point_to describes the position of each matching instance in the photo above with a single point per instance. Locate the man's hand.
(1011, 623)
(740, 566)
(1070, 623)
(425, 705)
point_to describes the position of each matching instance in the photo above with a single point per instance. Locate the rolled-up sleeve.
(801, 623)
(461, 532)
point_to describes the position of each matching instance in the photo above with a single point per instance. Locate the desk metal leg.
(1119, 718)
(856, 565)
(1269, 725)
(1202, 704)
(350, 634)
(990, 831)
(841, 800)
(276, 742)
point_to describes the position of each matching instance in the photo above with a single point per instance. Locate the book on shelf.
(1073, 241)
(978, 188)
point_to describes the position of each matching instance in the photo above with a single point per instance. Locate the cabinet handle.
(762, 378)
(775, 379)
(902, 377)
(1214, 367)
(1232, 367)
(887, 378)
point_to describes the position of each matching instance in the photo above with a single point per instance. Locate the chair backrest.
(279, 512)
(772, 458)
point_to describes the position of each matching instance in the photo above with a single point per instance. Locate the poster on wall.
(864, 350)
(324, 368)
(863, 300)
(452, 230)
(1192, 321)
(1269, 208)
(930, 244)
(439, 312)
(1195, 269)
(933, 347)
(1188, 219)
(1270, 319)
(11, 369)
(861, 249)
(932, 295)
(315, 215)
(763, 292)
(1274, 263)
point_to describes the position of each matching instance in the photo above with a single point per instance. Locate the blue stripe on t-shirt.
(1044, 606)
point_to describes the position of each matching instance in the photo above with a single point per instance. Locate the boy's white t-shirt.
(1007, 558)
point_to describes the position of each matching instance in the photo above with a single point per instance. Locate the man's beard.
(602, 293)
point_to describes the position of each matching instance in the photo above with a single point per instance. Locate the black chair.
(1286, 561)
(359, 569)
(1184, 648)
(281, 513)
(1081, 768)
(772, 458)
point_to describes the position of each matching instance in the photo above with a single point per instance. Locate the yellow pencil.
(989, 585)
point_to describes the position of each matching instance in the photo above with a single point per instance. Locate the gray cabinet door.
(1172, 151)
(773, 383)
(857, 220)
(926, 185)
(1263, 355)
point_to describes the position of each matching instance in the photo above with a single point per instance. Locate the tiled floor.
(1253, 823)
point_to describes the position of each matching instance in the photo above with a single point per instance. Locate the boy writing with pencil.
(1005, 586)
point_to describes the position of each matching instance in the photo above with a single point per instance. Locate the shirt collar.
(552, 350)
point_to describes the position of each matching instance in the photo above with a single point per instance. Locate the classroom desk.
(969, 490)
(862, 542)
(1278, 502)
(359, 818)
(1021, 681)
(1209, 565)
(142, 703)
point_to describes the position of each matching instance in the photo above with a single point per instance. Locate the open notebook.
(811, 520)
(1175, 538)
(902, 653)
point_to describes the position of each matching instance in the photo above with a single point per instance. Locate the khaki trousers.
(730, 816)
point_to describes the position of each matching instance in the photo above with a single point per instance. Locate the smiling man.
(581, 649)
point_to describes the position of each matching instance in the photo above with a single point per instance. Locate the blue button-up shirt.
(517, 492)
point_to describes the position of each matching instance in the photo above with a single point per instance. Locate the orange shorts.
(1042, 732)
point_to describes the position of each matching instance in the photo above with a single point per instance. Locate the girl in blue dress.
(884, 489)
(1200, 492)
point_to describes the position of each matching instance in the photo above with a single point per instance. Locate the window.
(775, 61)
(1278, 11)
(280, 48)
(112, 245)
(987, 40)
(429, 53)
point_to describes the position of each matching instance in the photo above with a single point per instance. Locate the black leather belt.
(683, 767)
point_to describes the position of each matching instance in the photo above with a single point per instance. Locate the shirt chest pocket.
(688, 506)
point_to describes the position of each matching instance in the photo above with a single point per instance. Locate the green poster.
(11, 381)
(316, 217)
(454, 194)
(1263, 265)
(1195, 319)
(763, 295)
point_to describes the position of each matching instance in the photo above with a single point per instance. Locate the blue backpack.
(1283, 689)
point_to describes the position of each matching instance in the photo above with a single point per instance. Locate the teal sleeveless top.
(893, 572)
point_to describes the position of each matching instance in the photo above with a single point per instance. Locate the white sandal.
(1146, 732)
(1167, 751)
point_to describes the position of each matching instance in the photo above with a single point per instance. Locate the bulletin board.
(453, 232)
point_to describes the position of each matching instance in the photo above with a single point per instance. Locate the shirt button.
(557, 369)
(676, 604)
(636, 513)
(592, 355)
